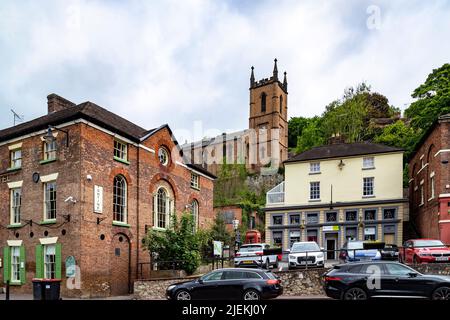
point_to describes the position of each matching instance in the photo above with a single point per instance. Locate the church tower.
(268, 110)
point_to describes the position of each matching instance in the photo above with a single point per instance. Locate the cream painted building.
(338, 192)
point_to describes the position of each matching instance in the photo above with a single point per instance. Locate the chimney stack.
(56, 103)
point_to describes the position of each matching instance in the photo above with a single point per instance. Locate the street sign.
(330, 228)
(217, 248)
(98, 199)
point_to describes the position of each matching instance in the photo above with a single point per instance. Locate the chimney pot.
(56, 103)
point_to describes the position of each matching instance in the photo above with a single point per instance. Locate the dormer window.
(120, 150)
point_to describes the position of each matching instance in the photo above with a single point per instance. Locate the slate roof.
(340, 150)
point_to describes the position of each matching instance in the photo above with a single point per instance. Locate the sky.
(187, 63)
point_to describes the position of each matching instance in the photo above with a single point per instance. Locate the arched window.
(163, 205)
(281, 104)
(263, 102)
(432, 187)
(120, 199)
(194, 212)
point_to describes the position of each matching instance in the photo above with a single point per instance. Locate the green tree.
(296, 126)
(312, 135)
(179, 242)
(433, 99)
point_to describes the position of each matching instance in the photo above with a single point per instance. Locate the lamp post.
(237, 241)
(49, 138)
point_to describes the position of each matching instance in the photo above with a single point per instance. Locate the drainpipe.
(138, 241)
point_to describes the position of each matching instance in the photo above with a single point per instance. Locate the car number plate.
(441, 258)
(248, 261)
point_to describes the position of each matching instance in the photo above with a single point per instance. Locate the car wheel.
(442, 293)
(252, 295)
(355, 294)
(183, 295)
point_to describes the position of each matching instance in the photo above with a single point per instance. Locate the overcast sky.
(179, 62)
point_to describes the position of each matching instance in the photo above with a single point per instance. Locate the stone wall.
(295, 282)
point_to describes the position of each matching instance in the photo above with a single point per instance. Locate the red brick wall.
(91, 153)
(427, 216)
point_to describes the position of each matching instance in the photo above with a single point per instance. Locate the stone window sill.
(14, 169)
(314, 200)
(47, 161)
(49, 221)
(121, 160)
(14, 226)
(121, 224)
(368, 168)
(371, 196)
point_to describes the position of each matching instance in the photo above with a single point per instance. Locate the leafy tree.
(296, 126)
(433, 99)
(180, 242)
(312, 135)
(400, 135)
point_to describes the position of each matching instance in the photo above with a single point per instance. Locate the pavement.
(30, 297)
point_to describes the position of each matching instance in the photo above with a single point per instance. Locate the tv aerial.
(17, 118)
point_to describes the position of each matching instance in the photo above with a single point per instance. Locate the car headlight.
(291, 257)
(320, 256)
(171, 287)
(423, 254)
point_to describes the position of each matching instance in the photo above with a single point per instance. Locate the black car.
(389, 252)
(228, 284)
(363, 280)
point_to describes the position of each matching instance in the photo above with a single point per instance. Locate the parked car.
(228, 284)
(304, 254)
(353, 282)
(424, 251)
(354, 250)
(389, 252)
(257, 255)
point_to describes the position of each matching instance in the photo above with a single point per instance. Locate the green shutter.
(39, 261)
(58, 260)
(23, 273)
(6, 264)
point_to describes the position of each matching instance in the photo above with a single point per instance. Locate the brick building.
(85, 190)
(429, 184)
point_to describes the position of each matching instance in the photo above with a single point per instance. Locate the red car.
(424, 251)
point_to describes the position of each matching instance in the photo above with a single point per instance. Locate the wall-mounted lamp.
(49, 138)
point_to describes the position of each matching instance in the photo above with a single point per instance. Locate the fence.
(307, 259)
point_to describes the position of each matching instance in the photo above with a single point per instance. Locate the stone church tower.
(268, 110)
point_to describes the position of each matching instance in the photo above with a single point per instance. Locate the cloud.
(180, 61)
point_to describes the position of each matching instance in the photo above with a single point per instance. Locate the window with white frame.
(195, 181)
(432, 187)
(368, 186)
(368, 162)
(163, 208)
(120, 150)
(16, 159)
(15, 264)
(422, 195)
(120, 199)
(314, 167)
(50, 200)
(194, 212)
(50, 150)
(16, 202)
(50, 261)
(163, 156)
(314, 190)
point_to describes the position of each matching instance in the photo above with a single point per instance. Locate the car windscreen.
(250, 248)
(355, 245)
(428, 243)
(270, 275)
(303, 247)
